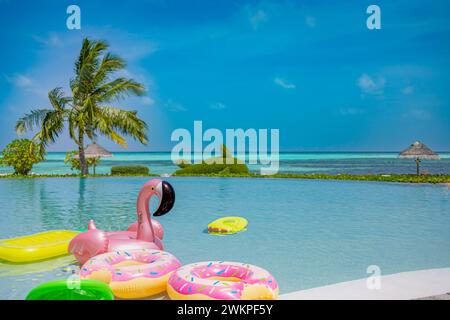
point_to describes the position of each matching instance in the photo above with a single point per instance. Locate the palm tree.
(87, 112)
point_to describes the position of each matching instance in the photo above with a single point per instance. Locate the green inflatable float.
(71, 290)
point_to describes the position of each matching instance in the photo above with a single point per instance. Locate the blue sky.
(309, 68)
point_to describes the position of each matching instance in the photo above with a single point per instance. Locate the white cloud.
(284, 84)
(25, 84)
(310, 21)
(408, 90)
(147, 101)
(218, 106)
(350, 111)
(371, 86)
(258, 18)
(20, 80)
(138, 74)
(52, 40)
(174, 106)
(135, 50)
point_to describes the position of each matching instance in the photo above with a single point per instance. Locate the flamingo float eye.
(167, 199)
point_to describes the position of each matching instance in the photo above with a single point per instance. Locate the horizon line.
(294, 151)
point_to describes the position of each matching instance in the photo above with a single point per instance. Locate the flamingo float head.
(166, 195)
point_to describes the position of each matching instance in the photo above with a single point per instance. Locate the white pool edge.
(399, 286)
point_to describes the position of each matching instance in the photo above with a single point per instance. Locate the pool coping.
(399, 286)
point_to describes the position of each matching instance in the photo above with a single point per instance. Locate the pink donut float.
(221, 281)
(132, 274)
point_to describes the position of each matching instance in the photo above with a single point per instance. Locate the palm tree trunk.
(83, 163)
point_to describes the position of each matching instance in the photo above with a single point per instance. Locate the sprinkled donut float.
(220, 280)
(132, 274)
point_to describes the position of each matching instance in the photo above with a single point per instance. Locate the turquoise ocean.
(298, 162)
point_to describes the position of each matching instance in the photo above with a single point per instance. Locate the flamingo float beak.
(166, 198)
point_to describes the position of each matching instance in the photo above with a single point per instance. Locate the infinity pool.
(307, 233)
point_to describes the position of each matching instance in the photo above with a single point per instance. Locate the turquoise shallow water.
(307, 233)
(308, 162)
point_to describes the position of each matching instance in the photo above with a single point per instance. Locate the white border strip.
(399, 286)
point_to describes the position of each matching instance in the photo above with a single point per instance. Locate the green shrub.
(21, 154)
(130, 170)
(213, 168)
(217, 165)
(75, 162)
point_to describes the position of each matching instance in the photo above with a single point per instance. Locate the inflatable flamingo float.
(143, 234)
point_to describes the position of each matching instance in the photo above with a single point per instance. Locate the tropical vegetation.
(395, 178)
(87, 111)
(74, 161)
(404, 178)
(21, 154)
(221, 165)
(130, 170)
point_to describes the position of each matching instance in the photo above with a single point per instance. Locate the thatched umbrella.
(95, 150)
(419, 151)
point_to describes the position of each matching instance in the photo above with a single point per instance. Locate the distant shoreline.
(281, 152)
(398, 178)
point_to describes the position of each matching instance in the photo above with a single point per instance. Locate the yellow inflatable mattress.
(227, 225)
(37, 246)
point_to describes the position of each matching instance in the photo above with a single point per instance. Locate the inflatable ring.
(227, 225)
(222, 281)
(132, 274)
(71, 290)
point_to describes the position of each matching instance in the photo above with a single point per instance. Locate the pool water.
(307, 233)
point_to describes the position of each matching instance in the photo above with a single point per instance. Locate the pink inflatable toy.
(132, 273)
(219, 280)
(144, 234)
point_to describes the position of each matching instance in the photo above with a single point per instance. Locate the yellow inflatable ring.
(131, 274)
(227, 225)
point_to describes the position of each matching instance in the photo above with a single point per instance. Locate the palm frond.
(110, 63)
(86, 67)
(89, 54)
(124, 121)
(51, 127)
(57, 99)
(117, 89)
(31, 120)
(73, 125)
(103, 125)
